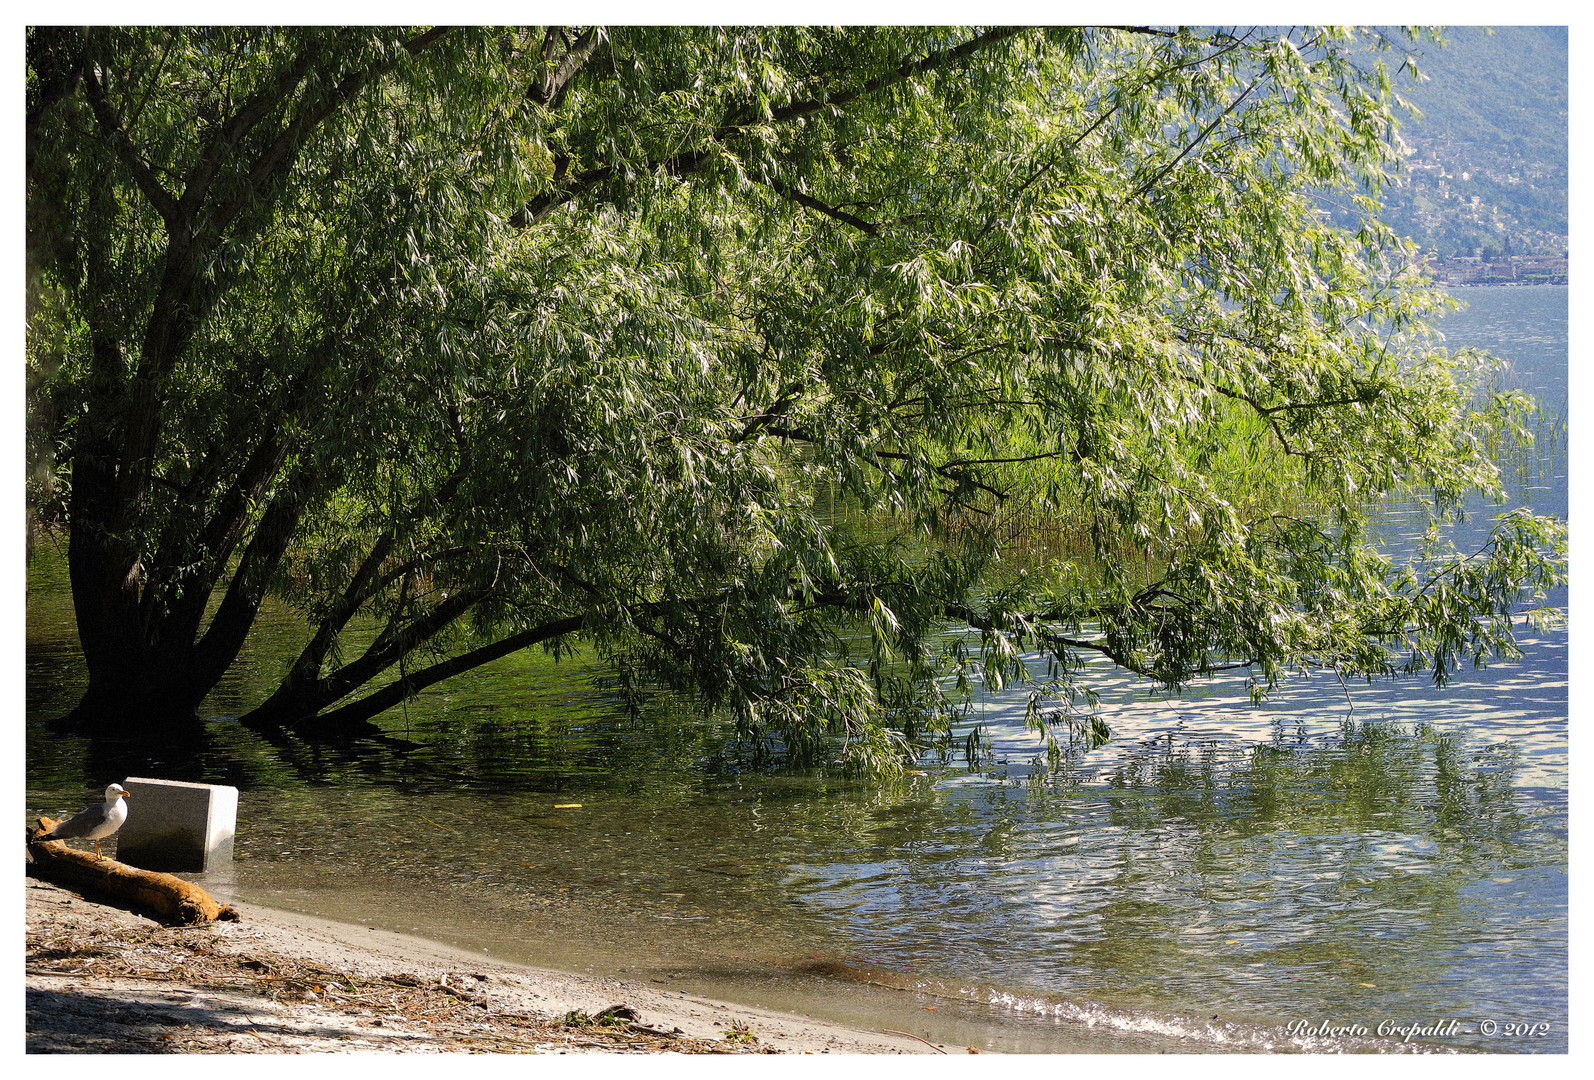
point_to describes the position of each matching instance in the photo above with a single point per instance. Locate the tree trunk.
(127, 699)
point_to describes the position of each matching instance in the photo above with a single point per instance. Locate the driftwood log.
(170, 897)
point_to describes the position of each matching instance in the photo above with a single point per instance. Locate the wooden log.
(170, 897)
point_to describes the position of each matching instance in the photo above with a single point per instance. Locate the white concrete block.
(177, 827)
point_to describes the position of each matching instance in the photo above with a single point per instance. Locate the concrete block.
(177, 827)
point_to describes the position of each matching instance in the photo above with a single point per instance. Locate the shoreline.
(103, 980)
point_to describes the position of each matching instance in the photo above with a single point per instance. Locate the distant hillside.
(1488, 170)
(1502, 90)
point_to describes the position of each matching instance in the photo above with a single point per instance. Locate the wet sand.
(103, 980)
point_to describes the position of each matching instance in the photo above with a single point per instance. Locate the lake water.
(1219, 877)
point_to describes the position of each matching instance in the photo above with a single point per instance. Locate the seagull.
(96, 822)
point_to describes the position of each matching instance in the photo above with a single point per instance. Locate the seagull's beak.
(127, 794)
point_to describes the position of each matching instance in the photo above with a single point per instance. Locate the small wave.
(1213, 1033)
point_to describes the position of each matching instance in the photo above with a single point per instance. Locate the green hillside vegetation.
(1503, 91)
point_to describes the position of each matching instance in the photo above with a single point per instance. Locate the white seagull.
(96, 822)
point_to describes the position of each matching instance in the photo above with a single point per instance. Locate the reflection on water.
(1219, 871)
(1245, 862)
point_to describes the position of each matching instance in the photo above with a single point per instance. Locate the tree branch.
(689, 162)
(111, 125)
(1197, 141)
(786, 191)
(236, 614)
(411, 683)
(900, 74)
(551, 86)
(197, 184)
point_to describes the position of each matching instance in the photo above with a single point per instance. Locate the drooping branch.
(366, 584)
(678, 165)
(396, 641)
(423, 41)
(954, 471)
(413, 682)
(753, 425)
(303, 691)
(862, 600)
(362, 586)
(301, 709)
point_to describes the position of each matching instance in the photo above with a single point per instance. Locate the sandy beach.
(103, 980)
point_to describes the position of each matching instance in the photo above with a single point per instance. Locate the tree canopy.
(765, 360)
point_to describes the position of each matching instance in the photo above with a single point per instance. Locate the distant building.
(1507, 270)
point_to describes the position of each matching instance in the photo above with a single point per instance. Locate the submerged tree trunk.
(149, 661)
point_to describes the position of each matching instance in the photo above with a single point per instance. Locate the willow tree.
(471, 340)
